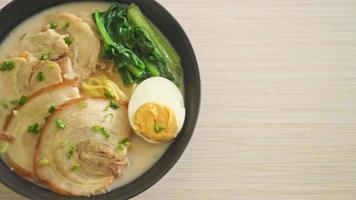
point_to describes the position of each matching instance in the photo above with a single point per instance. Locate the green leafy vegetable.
(34, 129)
(134, 45)
(7, 65)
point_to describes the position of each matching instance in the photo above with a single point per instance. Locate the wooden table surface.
(278, 116)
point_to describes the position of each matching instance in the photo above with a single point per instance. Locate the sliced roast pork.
(23, 126)
(79, 152)
(46, 45)
(84, 45)
(25, 77)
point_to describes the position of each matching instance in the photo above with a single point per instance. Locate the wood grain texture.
(278, 117)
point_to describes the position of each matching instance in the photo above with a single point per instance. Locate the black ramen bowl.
(19, 10)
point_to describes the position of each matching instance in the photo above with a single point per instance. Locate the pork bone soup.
(91, 97)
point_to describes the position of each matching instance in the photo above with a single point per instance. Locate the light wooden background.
(278, 117)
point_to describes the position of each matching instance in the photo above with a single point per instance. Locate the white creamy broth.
(142, 155)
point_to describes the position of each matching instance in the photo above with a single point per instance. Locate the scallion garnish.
(34, 129)
(52, 109)
(103, 131)
(7, 65)
(41, 77)
(60, 124)
(21, 101)
(123, 144)
(45, 56)
(158, 128)
(65, 26)
(75, 167)
(44, 162)
(68, 40)
(53, 26)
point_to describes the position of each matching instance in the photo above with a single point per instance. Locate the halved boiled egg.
(156, 110)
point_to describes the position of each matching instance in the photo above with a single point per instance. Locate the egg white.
(158, 90)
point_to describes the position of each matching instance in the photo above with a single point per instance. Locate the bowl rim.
(154, 174)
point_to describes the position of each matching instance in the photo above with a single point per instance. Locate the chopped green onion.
(53, 26)
(4, 104)
(51, 65)
(21, 101)
(60, 124)
(113, 105)
(109, 95)
(101, 130)
(7, 65)
(34, 129)
(68, 40)
(72, 150)
(52, 109)
(45, 56)
(75, 167)
(3, 147)
(83, 104)
(65, 26)
(23, 36)
(123, 144)
(41, 77)
(159, 128)
(107, 116)
(44, 162)
(96, 128)
(64, 143)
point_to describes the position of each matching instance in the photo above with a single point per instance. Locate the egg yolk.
(156, 122)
